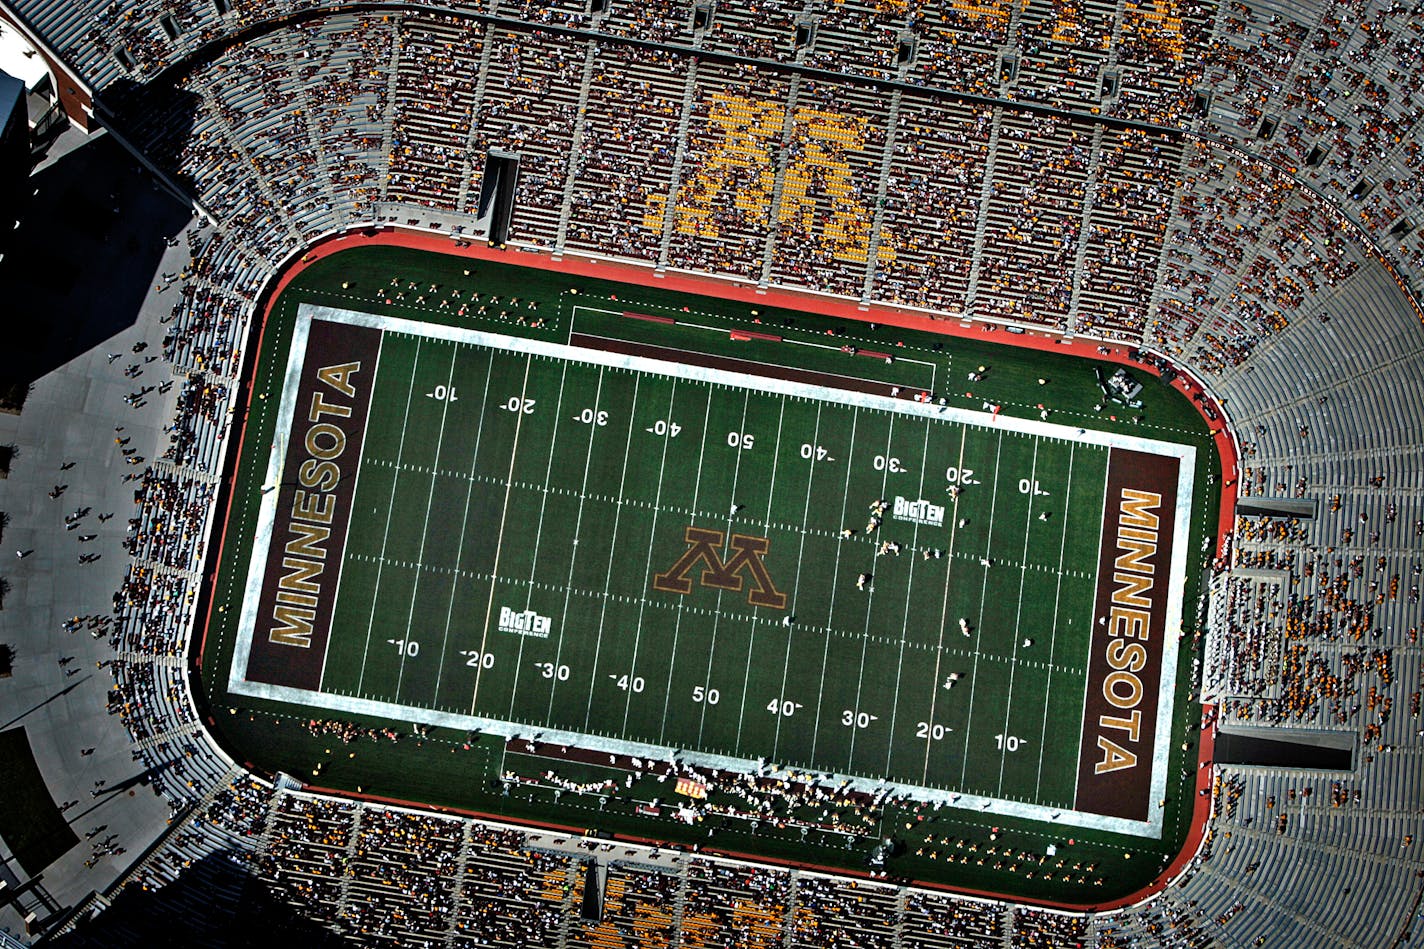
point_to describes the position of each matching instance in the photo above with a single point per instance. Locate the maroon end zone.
(314, 498)
(1125, 663)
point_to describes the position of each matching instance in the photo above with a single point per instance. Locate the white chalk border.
(267, 515)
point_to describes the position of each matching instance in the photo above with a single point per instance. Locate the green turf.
(679, 652)
(30, 823)
(598, 505)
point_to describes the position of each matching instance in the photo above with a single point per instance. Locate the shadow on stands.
(214, 902)
(87, 253)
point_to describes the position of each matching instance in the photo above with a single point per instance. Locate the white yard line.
(390, 508)
(717, 620)
(464, 520)
(425, 526)
(979, 625)
(612, 555)
(539, 532)
(1018, 618)
(905, 624)
(835, 577)
(355, 496)
(677, 624)
(499, 538)
(766, 530)
(870, 596)
(648, 563)
(573, 557)
(953, 510)
(800, 556)
(1053, 630)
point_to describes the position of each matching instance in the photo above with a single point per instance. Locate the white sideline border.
(267, 515)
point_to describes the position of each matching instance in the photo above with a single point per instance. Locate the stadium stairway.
(882, 188)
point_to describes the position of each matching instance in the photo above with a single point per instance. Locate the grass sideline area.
(30, 823)
(446, 767)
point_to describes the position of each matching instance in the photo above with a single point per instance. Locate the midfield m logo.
(703, 546)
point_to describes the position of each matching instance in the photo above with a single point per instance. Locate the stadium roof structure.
(805, 207)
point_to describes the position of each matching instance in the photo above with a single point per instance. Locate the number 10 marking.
(1009, 742)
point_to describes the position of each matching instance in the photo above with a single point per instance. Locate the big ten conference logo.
(524, 623)
(919, 512)
(704, 547)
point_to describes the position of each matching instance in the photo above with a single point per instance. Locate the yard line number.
(853, 719)
(443, 394)
(478, 660)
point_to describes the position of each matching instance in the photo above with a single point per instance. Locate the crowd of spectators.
(1204, 249)
(511, 895)
(835, 913)
(627, 149)
(939, 921)
(599, 130)
(639, 909)
(826, 210)
(1328, 90)
(434, 104)
(173, 508)
(1035, 928)
(1237, 272)
(940, 158)
(534, 87)
(724, 899)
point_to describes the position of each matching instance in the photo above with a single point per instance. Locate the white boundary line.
(835, 583)
(953, 509)
(870, 594)
(800, 557)
(681, 607)
(1186, 455)
(717, 618)
(766, 531)
(905, 623)
(573, 554)
(267, 507)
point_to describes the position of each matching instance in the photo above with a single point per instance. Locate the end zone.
(330, 374)
(1127, 711)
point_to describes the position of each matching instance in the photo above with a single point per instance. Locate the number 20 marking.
(515, 404)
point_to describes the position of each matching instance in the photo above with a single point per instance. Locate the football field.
(577, 539)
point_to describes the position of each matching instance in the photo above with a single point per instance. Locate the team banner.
(314, 494)
(1125, 664)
